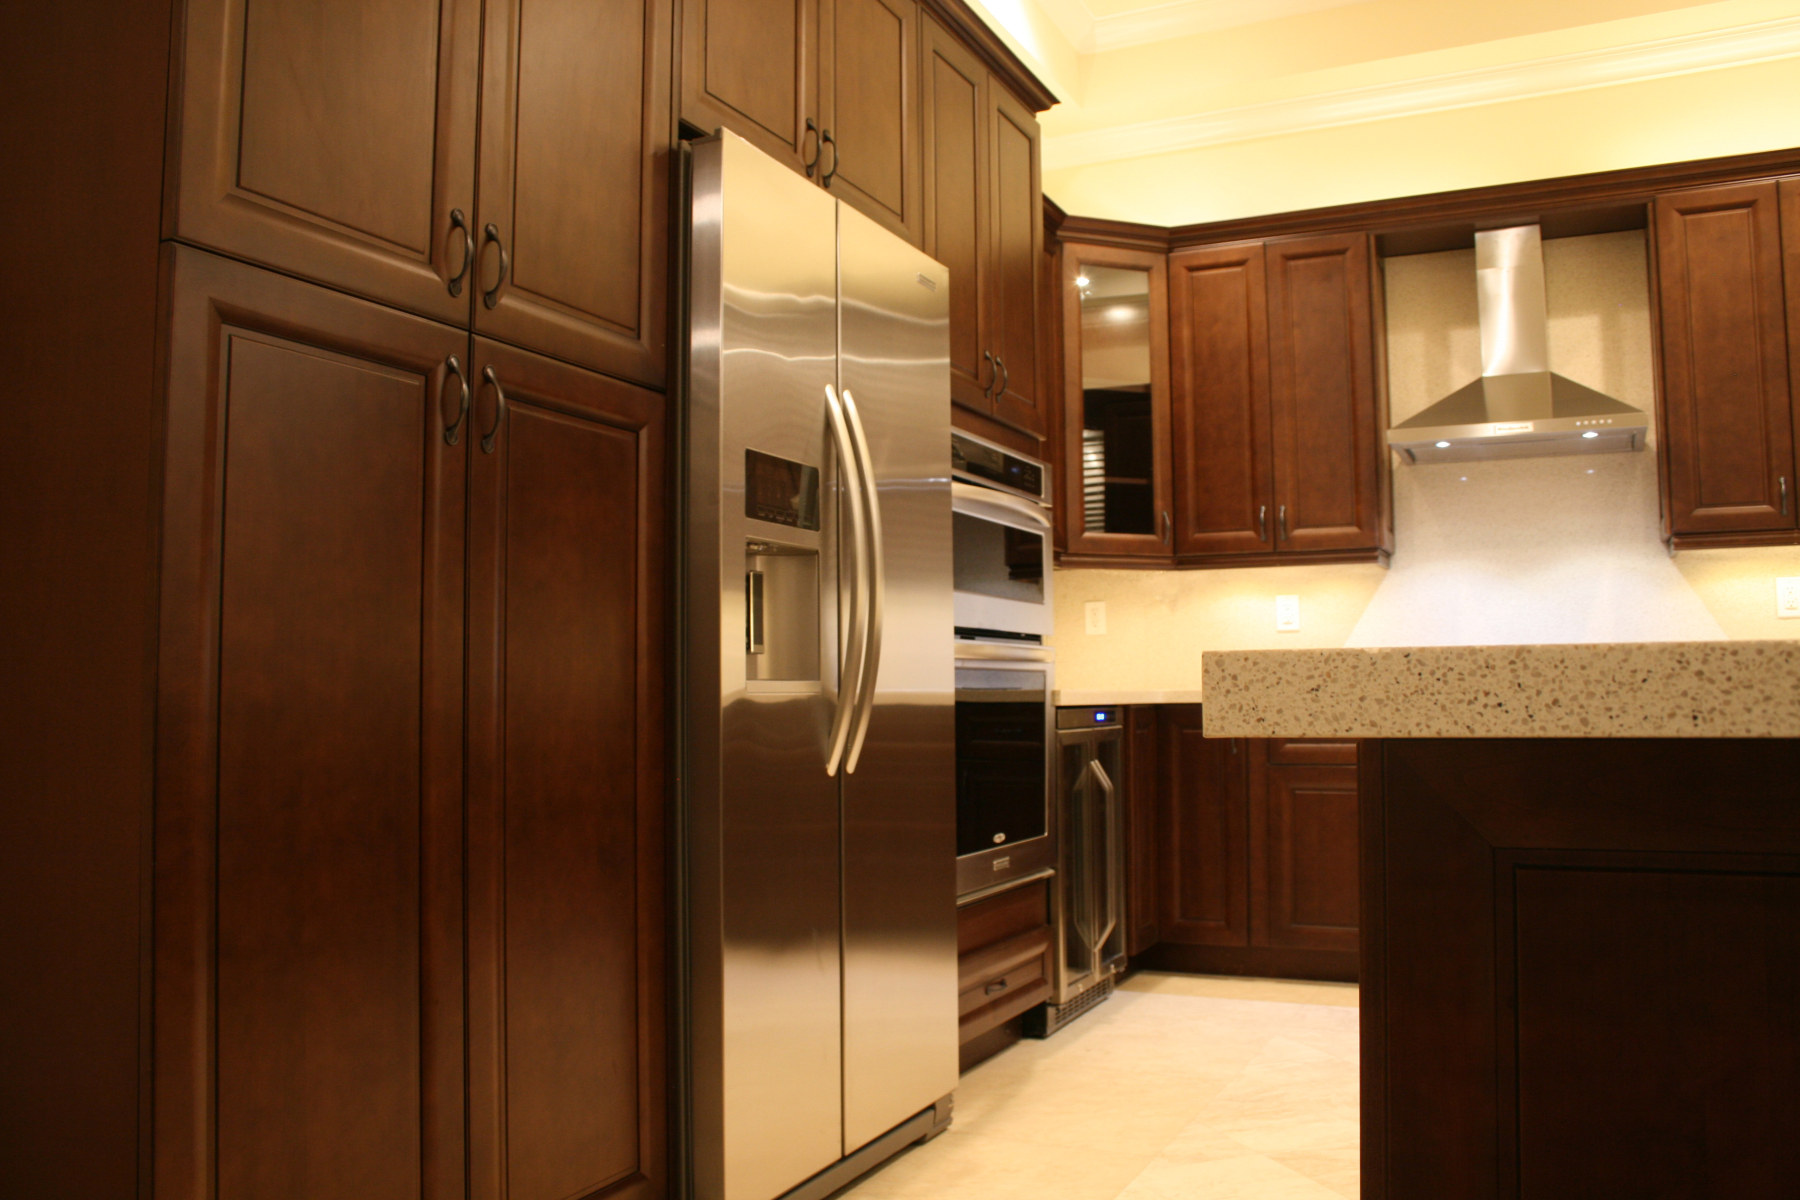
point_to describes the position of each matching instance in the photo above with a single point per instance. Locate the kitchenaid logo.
(926, 282)
(1000, 864)
(1505, 427)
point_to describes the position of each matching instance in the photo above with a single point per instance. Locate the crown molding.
(1464, 89)
(1189, 18)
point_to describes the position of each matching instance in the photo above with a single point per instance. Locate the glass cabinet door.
(1116, 406)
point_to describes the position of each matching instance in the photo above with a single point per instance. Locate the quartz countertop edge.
(1115, 697)
(1618, 690)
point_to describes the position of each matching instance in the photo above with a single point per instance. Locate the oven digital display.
(780, 491)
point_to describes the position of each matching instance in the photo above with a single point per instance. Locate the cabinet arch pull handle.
(999, 985)
(810, 164)
(453, 431)
(825, 139)
(1783, 480)
(987, 392)
(1005, 376)
(487, 439)
(1281, 521)
(1168, 526)
(1262, 522)
(491, 233)
(458, 221)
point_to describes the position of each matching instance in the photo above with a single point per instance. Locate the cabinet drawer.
(1000, 981)
(1305, 751)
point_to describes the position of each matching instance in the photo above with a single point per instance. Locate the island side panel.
(1581, 959)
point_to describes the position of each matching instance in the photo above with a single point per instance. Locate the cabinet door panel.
(565, 812)
(1205, 876)
(1322, 393)
(956, 195)
(1728, 422)
(1303, 857)
(574, 182)
(1220, 407)
(869, 83)
(308, 966)
(1018, 244)
(332, 142)
(751, 66)
(1142, 801)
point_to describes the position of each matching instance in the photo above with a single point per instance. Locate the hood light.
(1443, 445)
(1590, 434)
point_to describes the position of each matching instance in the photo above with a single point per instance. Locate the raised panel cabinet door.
(953, 106)
(1728, 423)
(332, 141)
(1219, 409)
(752, 67)
(567, 1080)
(572, 250)
(1017, 245)
(308, 1023)
(1325, 413)
(869, 104)
(1205, 814)
(1303, 857)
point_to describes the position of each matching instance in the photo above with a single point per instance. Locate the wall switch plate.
(1287, 613)
(1096, 616)
(1787, 596)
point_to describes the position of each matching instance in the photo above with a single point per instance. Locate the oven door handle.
(1004, 507)
(873, 555)
(855, 640)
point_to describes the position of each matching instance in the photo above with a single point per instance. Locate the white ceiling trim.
(1186, 18)
(1488, 85)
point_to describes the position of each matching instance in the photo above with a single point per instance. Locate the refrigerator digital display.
(781, 491)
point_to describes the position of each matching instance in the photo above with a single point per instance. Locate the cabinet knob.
(999, 985)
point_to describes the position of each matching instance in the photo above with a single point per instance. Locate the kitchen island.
(1580, 908)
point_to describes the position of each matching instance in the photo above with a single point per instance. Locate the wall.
(1532, 550)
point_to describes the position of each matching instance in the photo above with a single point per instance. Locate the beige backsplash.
(1536, 550)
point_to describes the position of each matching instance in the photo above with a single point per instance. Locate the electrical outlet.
(1787, 596)
(1287, 613)
(1096, 616)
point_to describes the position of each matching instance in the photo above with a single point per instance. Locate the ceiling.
(1140, 78)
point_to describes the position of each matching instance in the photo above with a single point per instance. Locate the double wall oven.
(1005, 740)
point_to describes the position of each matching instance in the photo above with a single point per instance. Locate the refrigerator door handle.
(874, 555)
(851, 665)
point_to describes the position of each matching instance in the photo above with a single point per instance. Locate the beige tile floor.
(1177, 1088)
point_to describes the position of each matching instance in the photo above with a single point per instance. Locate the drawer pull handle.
(999, 985)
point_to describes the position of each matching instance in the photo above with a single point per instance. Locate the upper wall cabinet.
(350, 153)
(1727, 419)
(828, 86)
(983, 218)
(1278, 411)
(1115, 425)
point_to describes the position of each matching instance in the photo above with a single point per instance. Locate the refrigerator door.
(764, 869)
(899, 810)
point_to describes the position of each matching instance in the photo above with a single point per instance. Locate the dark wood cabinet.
(1003, 966)
(829, 87)
(410, 783)
(1278, 414)
(1727, 397)
(1258, 872)
(308, 861)
(355, 158)
(565, 877)
(983, 218)
(571, 235)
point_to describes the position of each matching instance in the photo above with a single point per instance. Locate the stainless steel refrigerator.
(818, 772)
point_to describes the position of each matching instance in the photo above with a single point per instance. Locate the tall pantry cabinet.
(385, 752)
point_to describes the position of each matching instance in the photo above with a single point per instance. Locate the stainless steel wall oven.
(1000, 502)
(1004, 747)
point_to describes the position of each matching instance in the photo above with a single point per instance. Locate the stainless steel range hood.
(1518, 408)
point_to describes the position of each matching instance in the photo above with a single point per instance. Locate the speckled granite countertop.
(1641, 689)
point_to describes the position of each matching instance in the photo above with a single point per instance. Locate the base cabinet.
(1258, 872)
(1003, 966)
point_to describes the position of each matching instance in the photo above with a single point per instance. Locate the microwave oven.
(1002, 540)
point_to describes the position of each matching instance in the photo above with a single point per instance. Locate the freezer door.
(899, 832)
(763, 870)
